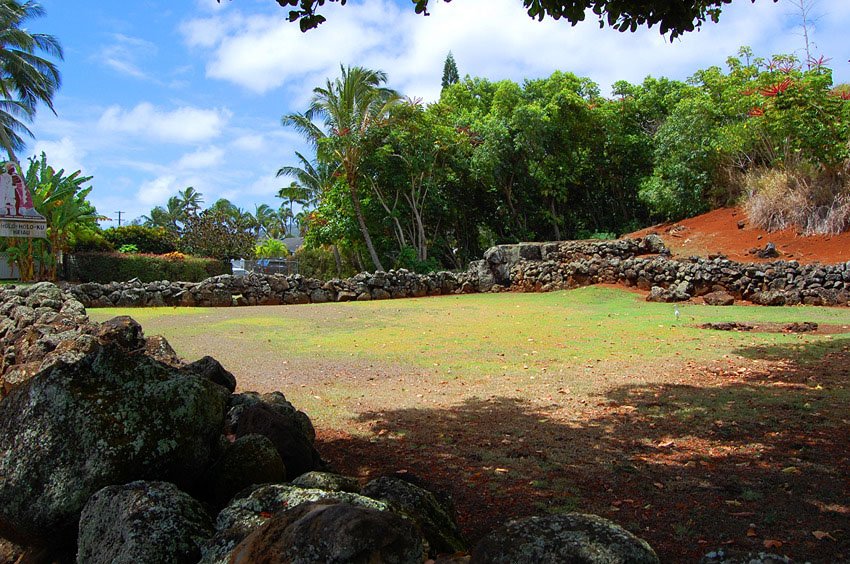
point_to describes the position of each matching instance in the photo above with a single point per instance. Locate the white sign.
(18, 217)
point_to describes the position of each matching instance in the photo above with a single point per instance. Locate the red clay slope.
(718, 232)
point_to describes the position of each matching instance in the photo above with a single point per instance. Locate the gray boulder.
(252, 508)
(332, 532)
(250, 460)
(571, 537)
(435, 520)
(142, 522)
(107, 415)
(288, 429)
(769, 298)
(327, 481)
(212, 370)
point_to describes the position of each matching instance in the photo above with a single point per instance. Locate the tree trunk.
(555, 219)
(338, 261)
(361, 221)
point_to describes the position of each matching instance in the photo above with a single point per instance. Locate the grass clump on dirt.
(591, 400)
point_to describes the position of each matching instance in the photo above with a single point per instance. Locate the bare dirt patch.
(717, 232)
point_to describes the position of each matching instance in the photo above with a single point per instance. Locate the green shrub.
(128, 249)
(319, 263)
(117, 267)
(271, 248)
(89, 240)
(155, 240)
(407, 259)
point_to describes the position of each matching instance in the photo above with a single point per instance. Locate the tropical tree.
(271, 248)
(450, 74)
(170, 217)
(218, 234)
(295, 193)
(239, 217)
(349, 107)
(26, 77)
(190, 201)
(62, 200)
(264, 219)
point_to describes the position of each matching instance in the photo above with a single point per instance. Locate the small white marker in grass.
(676, 312)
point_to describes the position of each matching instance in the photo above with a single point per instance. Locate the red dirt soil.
(718, 232)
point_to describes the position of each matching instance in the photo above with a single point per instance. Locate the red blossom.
(787, 67)
(777, 88)
(819, 62)
(755, 112)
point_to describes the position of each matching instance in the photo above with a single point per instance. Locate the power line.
(119, 217)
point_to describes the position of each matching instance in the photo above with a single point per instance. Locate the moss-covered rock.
(572, 537)
(250, 460)
(435, 519)
(142, 522)
(289, 430)
(253, 507)
(332, 532)
(327, 481)
(109, 415)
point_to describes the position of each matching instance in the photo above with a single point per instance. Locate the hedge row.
(117, 267)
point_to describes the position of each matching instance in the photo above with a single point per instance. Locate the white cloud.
(64, 154)
(489, 38)
(158, 190)
(249, 143)
(202, 158)
(183, 125)
(262, 53)
(125, 53)
(207, 32)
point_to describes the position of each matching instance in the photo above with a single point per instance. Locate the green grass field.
(512, 344)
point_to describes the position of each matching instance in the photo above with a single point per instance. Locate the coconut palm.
(26, 78)
(349, 107)
(190, 201)
(170, 217)
(264, 219)
(294, 194)
(314, 177)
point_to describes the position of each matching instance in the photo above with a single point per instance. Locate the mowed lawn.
(591, 399)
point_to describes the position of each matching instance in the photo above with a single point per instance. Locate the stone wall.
(526, 267)
(273, 289)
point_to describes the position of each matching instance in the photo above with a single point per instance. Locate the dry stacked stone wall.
(526, 267)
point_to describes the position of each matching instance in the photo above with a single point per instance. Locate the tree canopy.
(673, 17)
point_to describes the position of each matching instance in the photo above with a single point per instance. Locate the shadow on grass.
(688, 467)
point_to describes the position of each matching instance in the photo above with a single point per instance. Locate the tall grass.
(814, 204)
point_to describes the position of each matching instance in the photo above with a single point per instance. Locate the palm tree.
(314, 177)
(26, 78)
(190, 201)
(264, 219)
(241, 219)
(295, 194)
(349, 107)
(170, 217)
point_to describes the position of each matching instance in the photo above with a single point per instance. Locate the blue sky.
(159, 95)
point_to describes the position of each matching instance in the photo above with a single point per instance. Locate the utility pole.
(119, 217)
